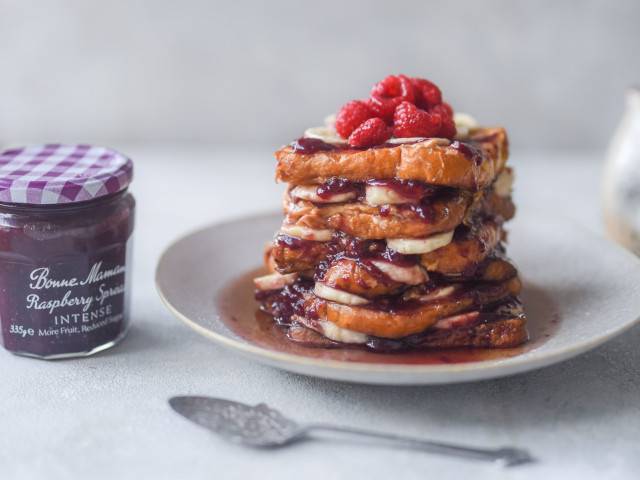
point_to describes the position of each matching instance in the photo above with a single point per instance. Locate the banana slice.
(413, 246)
(309, 192)
(457, 321)
(376, 195)
(400, 140)
(464, 122)
(414, 275)
(339, 334)
(439, 293)
(306, 233)
(424, 141)
(330, 121)
(504, 183)
(326, 134)
(338, 296)
(274, 281)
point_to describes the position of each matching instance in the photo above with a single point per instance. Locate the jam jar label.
(68, 307)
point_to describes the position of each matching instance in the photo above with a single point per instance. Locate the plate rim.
(486, 368)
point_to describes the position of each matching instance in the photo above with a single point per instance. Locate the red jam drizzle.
(293, 242)
(411, 189)
(336, 186)
(342, 246)
(399, 259)
(471, 151)
(415, 191)
(311, 145)
(286, 303)
(364, 251)
(424, 211)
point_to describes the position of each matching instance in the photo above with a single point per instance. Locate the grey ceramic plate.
(586, 284)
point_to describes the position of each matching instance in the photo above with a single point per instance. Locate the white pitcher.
(622, 178)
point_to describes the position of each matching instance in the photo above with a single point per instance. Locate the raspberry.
(410, 121)
(389, 93)
(394, 86)
(384, 107)
(448, 126)
(351, 116)
(372, 132)
(448, 108)
(427, 94)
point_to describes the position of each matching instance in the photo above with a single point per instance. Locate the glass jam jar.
(66, 222)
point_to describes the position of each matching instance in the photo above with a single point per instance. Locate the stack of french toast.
(393, 238)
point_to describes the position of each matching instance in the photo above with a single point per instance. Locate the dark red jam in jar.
(66, 221)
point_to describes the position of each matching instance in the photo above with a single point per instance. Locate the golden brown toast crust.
(359, 278)
(504, 333)
(402, 323)
(426, 161)
(497, 270)
(466, 251)
(284, 258)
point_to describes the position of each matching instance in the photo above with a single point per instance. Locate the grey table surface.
(107, 416)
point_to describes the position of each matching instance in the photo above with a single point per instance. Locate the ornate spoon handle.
(509, 456)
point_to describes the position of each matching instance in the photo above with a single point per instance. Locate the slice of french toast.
(469, 247)
(443, 213)
(408, 313)
(495, 326)
(471, 164)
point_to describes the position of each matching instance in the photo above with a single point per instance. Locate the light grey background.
(232, 72)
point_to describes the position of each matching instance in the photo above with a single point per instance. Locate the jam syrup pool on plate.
(240, 313)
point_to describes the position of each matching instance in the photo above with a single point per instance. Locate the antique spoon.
(262, 426)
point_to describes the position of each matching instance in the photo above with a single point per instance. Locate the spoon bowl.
(256, 426)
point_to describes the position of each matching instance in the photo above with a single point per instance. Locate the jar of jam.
(66, 221)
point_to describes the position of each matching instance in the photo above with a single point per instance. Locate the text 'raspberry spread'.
(66, 220)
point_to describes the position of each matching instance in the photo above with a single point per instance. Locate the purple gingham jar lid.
(56, 174)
